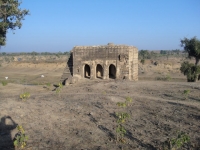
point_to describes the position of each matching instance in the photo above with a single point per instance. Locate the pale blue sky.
(54, 26)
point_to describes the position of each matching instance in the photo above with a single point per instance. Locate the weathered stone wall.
(110, 61)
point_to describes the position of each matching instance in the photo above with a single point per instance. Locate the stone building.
(103, 62)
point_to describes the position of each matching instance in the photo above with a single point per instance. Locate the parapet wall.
(101, 52)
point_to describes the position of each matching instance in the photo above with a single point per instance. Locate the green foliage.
(21, 139)
(192, 47)
(121, 104)
(124, 104)
(122, 117)
(58, 89)
(10, 17)
(121, 132)
(57, 55)
(190, 70)
(177, 142)
(144, 54)
(142, 61)
(48, 84)
(164, 78)
(128, 100)
(163, 52)
(4, 83)
(186, 93)
(33, 53)
(3, 53)
(24, 96)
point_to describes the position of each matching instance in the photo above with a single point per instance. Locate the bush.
(165, 78)
(58, 89)
(186, 93)
(4, 83)
(190, 70)
(142, 61)
(24, 95)
(121, 118)
(21, 139)
(177, 142)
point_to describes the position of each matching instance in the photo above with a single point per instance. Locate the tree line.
(148, 54)
(34, 53)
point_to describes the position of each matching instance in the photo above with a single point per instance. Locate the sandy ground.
(83, 117)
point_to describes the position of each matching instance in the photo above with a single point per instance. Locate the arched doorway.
(112, 71)
(99, 71)
(87, 71)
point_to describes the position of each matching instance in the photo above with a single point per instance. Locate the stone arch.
(99, 71)
(87, 71)
(112, 71)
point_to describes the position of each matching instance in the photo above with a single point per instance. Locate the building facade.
(104, 62)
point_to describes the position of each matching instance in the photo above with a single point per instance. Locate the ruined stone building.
(103, 62)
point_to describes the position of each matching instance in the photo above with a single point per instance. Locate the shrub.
(21, 139)
(58, 89)
(121, 104)
(186, 93)
(48, 85)
(122, 117)
(142, 61)
(190, 70)
(128, 100)
(164, 78)
(4, 83)
(177, 142)
(24, 95)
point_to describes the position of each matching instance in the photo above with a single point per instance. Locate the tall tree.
(192, 47)
(10, 17)
(144, 54)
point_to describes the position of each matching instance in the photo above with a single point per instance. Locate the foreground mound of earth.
(82, 115)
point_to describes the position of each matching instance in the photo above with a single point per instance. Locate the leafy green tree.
(142, 61)
(34, 53)
(3, 53)
(190, 70)
(10, 17)
(163, 52)
(192, 47)
(144, 54)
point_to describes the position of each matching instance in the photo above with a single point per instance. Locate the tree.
(192, 47)
(191, 71)
(144, 54)
(10, 17)
(163, 52)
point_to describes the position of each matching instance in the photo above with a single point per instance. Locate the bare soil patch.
(82, 116)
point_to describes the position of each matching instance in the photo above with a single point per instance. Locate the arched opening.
(99, 71)
(87, 71)
(112, 71)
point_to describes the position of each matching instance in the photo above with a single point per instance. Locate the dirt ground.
(83, 116)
